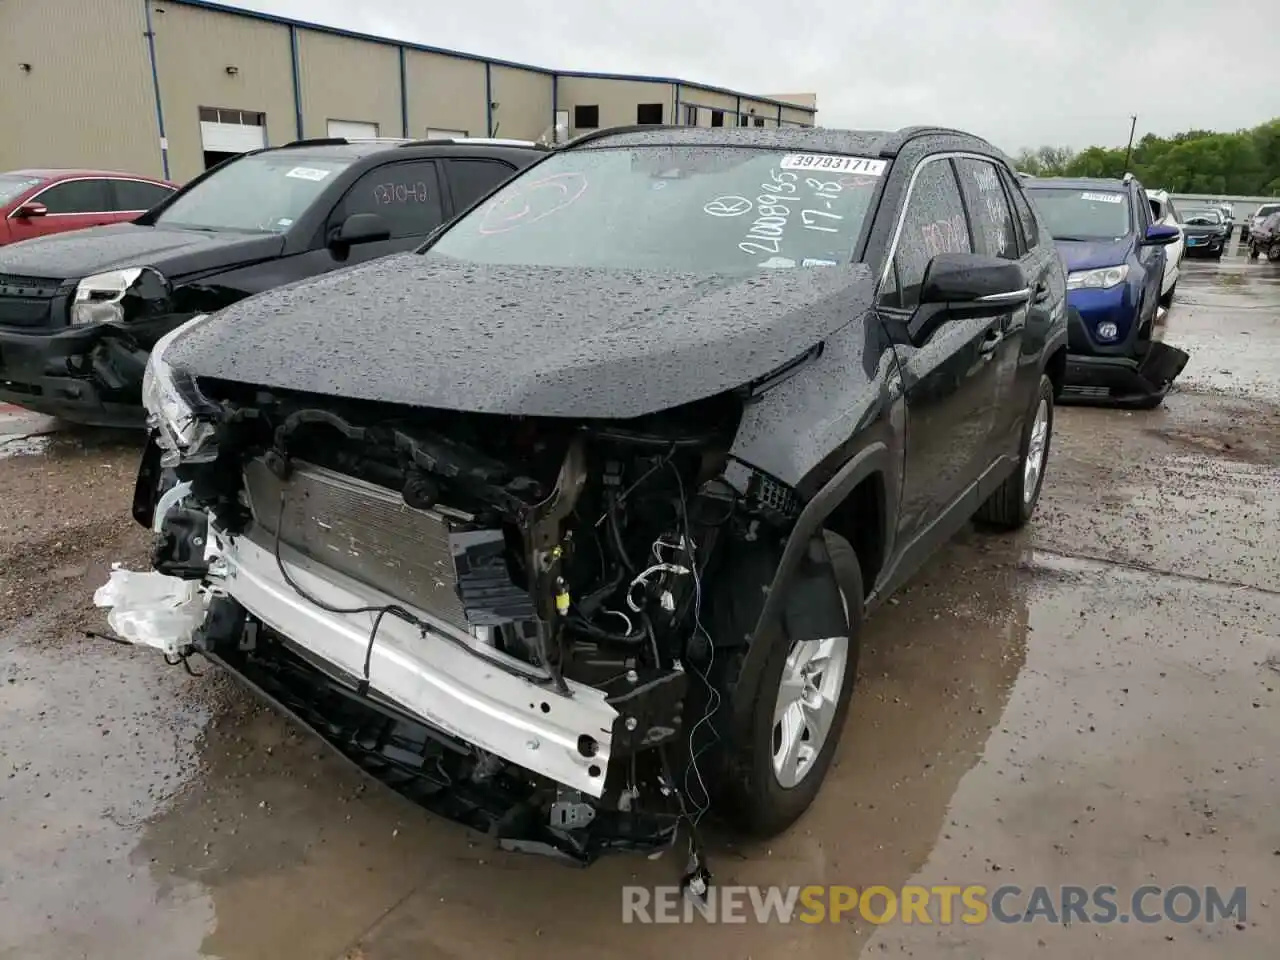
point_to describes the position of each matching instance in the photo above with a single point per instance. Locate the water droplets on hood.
(530, 340)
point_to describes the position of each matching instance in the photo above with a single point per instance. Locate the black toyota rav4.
(566, 524)
(79, 311)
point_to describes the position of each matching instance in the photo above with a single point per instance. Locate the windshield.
(704, 209)
(12, 185)
(262, 193)
(1074, 214)
(1266, 210)
(1203, 217)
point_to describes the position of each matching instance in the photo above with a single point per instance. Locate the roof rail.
(342, 141)
(615, 131)
(900, 138)
(476, 141)
(317, 142)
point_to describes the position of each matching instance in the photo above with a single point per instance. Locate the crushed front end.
(500, 617)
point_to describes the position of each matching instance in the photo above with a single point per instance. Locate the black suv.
(567, 523)
(79, 311)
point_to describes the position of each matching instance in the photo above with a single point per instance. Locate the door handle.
(991, 341)
(1042, 292)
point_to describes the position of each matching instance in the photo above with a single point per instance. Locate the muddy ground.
(1093, 701)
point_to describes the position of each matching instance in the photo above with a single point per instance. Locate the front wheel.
(1273, 253)
(1013, 503)
(1166, 299)
(778, 735)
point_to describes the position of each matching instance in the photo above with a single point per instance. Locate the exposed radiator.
(363, 531)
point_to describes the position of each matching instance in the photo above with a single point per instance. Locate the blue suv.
(1115, 257)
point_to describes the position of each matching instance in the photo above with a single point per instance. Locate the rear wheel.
(1013, 503)
(779, 734)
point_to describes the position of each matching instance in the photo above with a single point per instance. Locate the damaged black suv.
(566, 524)
(79, 311)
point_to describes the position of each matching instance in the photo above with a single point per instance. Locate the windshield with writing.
(1082, 214)
(263, 193)
(703, 209)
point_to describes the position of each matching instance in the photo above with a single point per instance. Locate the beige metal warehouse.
(169, 87)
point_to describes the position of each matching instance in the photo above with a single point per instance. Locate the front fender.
(806, 426)
(805, 568)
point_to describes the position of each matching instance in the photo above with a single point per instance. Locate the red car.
(34, 203)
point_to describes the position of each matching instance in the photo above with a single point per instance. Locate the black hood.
(174, 252)
(427, 331)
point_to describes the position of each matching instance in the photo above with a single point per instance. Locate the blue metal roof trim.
(426, 48)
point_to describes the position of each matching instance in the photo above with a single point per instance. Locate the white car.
(1164, 212)
(1252, 223)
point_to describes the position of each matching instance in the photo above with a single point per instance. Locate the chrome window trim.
(906, 202)
(92, 213)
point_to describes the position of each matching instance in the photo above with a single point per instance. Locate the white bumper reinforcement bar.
(428, 675)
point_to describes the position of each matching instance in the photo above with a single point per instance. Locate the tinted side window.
(934, 224)
(77, 196)
(989, 214)
(406, 195)
(1030, 228)
(472, 179)
(135, 195)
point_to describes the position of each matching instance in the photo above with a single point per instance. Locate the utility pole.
(1128, 152)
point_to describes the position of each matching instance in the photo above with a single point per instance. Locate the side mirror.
(1160, 235)
(974, 282)
(32, 208)
(361, 228)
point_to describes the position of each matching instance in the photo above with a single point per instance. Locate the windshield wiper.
(1076, 239)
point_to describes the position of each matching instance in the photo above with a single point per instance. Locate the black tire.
(1166, 299)
(743, 786)
(1009, 508)
(1253, 251)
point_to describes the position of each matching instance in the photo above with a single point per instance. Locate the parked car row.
(553, 486)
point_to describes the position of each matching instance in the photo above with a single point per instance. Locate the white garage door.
(439, 133)
(353, 129)
(231, 137)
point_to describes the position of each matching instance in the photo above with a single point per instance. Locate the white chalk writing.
(945, 236)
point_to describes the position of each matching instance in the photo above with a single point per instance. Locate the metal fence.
(1242, 207)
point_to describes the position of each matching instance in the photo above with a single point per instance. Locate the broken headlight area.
(184, 422)
(502, 617)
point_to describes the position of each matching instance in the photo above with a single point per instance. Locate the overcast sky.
(1019, 72)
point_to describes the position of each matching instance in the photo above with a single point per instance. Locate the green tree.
(1197, 161)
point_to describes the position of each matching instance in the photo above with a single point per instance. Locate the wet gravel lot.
(1093, 701)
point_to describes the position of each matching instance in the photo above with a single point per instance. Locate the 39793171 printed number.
(833, 163)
